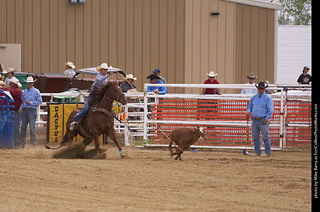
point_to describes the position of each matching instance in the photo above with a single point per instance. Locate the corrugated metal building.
(181, 37)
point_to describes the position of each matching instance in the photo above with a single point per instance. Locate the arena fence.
(223, 117)
(149, 117)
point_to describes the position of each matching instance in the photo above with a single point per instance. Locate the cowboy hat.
(153, 76)
(9, 70)
(103, 66)
(212, 74)
(2, 83)
(261, 85)
(70, 64)
(252, 76)
(15, 81)
(29, 80)
(130, 76)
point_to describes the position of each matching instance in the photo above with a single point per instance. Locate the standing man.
(211, 80)
(157, 72)
(31, 100)
(16, 93)
(154, 79)
(128, 84)
(261, 106)
(10, 73)
(70, 69)
(305, 78)
(251, 77)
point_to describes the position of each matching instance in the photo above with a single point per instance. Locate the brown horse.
(99, 120)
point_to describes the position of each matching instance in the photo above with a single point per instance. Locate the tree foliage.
(295, 12)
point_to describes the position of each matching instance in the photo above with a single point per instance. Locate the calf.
(184, 138)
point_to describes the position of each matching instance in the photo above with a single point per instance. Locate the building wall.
(294, 52)
(134, 35)
(255, 37)
(178, 36)
(209, 41)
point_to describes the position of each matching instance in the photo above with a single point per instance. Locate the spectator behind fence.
(16, 93)
(31, 99)
(305, 78)
(211, 80)
(10, 73)
(128, 83)
(251, 77)
(158, 73)
(70, 69)
(154, 79)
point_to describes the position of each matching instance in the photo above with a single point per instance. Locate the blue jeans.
(256, 128)
(84, 111)
(17, 128)
(29, 116)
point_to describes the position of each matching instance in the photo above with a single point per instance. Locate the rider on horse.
(101, 79)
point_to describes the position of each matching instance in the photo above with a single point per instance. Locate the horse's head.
(114, 92)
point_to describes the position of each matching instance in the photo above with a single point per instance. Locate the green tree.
(295, 12)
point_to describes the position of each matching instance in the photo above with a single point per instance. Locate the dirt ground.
(150, 180)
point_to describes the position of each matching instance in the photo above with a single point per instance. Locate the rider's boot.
(73, 125)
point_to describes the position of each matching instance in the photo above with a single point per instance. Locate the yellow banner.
(56, 123)
(59, 115)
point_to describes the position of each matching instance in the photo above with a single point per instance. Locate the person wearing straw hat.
(261, 107)
(128, 83)
(251, 77)
(10, 73)
(70, 69)
(16, 93)
(102, 78)
(31, 99)
(211, 80)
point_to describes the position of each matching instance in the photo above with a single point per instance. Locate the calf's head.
(202, 132)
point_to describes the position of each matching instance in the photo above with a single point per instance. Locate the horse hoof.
(122, 154)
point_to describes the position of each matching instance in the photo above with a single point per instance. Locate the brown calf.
(184, 138)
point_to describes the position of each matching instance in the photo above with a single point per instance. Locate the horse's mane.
(101, 91)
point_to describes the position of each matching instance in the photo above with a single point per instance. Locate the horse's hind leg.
(87, 141)
(113, 137)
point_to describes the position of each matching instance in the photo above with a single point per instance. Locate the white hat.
(103, 66)
(130, 76)
(15, 81)
(70, 64)
(29, 79)
(212, 74)
(8, 70)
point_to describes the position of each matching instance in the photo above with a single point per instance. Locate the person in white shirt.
(251, 79)
(70, 69)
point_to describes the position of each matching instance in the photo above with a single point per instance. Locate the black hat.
(153, 76)
(261, 85)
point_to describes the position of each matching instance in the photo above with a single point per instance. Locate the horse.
(99, 120)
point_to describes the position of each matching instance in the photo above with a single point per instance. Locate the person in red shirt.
(16, 93)
(211, 80)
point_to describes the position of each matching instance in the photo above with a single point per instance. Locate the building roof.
(269, 4)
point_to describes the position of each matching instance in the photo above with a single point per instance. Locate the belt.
(259, 118)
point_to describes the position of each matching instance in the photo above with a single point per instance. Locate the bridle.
(118, 99)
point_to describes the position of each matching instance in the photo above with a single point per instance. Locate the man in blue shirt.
(154, 79)
(31, 99)
(261, 106)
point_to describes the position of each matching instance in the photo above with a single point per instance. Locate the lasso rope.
(217, 160)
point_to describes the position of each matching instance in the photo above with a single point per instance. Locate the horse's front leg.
(96, 143)
(113, 137)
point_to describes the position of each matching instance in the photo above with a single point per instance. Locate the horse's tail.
(62, 143)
